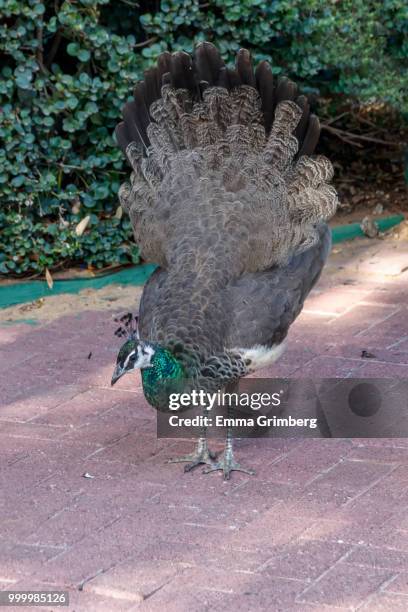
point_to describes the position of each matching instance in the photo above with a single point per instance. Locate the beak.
(117, 374)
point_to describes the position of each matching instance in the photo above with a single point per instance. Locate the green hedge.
(69, 66)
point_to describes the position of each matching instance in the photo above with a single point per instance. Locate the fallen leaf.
(32, 305)
(48, 278)
(369, 227)
(82, 225)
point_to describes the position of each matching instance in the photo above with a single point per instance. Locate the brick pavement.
(323, 525)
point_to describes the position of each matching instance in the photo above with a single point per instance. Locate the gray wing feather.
(264, 304)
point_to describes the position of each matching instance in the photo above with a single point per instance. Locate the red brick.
(307, 461)
(134, 579)
(334, 301)
(379, 558)
(10, 358)
(77, 520)
(353, 476)
(328, 530)
(362, 319)
(382, 602)
(352, 348)
(16, 332)
(398, 585)
(389, 537)
(305, 560)
(31, 430)
(34, 397)
(267, 531)
(132, 448)
(19, 561)
(181, 597)
(84, 407)
(92, 555)
(383, 370)
(322, 499)
(205, 554)
(329, 367)
(197, 589)
(389, 492)
(381, 454)
(400, 345)
(345, 585)
(391, 328)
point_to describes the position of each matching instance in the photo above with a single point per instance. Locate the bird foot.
(227, 464)
(202, 454)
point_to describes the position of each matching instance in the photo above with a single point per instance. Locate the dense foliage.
(69, 66)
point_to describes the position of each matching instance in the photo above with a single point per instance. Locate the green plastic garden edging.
(353, 230)
(29, 291)
(33, 290)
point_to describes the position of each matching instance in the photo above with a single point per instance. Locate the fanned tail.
(252, 134)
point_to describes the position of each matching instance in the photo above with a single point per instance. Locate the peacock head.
(159, 366)
(134, 354)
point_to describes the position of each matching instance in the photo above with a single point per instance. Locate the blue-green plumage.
(162, 373)
(165, 375)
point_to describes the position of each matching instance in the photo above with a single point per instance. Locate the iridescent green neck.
(163, 377)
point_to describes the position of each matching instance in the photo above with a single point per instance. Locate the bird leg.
(227, 462)
(202, 454)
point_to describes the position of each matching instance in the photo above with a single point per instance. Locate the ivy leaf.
(84, 55)
(73, 49)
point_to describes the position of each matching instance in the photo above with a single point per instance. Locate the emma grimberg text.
(223, 421)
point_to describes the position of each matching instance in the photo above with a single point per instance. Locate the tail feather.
(311, 172)
(265, 86)
(244, 68)
(285, 90)
(207, 63)
(181, 71)
(219, 105)
(300, 130)
(282, 145)
(311, 136)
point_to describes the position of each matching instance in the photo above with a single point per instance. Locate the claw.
(227, 464)
(202, 454)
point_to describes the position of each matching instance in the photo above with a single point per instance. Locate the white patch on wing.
(260, 356)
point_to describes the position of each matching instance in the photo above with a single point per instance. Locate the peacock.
(227, 199)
